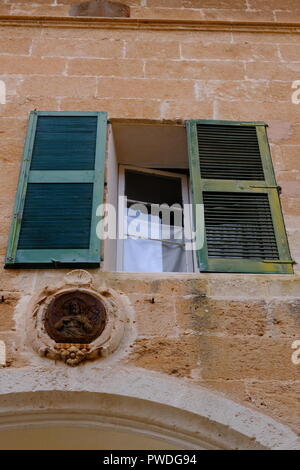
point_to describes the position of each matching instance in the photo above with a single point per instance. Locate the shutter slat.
(56, 216)
(235, 150)
(242, 212)
(65, 143)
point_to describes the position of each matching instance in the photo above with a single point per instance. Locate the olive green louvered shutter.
(61, 184)
(232, 176)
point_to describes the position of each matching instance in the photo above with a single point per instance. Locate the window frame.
(267, 186)
(121, 211)
(58, 257)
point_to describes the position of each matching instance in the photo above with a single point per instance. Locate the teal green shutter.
(232, 176)
(60, 186)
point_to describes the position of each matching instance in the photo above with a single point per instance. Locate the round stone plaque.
(75, 317)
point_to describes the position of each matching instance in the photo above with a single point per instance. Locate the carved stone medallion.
(75, 317)
(75, 322)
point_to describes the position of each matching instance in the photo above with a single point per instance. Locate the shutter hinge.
(18, 215)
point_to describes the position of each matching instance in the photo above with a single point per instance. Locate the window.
(224, 168)
(60, 187)
(154, 221)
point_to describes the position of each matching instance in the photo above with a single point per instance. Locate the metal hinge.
(18, 215)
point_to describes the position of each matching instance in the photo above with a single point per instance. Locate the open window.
(222, 167)
(148, 180)
(155, 221)
(228, 168)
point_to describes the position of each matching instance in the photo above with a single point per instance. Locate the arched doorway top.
(137, 401)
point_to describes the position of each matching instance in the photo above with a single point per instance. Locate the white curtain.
(149, 253)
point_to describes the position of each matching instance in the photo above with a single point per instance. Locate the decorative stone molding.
(73, 354)
(79, 277)
(149, 24)
(71, 305)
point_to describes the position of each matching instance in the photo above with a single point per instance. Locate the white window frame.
(190, 256)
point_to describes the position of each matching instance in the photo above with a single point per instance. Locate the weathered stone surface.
(16, 280)
(284, 287)
(100, 8)
(218, 358)
(243, 358)
(194, 285)
(178, 285)
(155, 315)
(196, 313)
(173, 356)
(232, 388)
(13, 350)
(233, 10)
(228, 286)
(279, 399)
(8, 302)
(285, 318)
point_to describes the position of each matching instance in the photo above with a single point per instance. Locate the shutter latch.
(279, 189)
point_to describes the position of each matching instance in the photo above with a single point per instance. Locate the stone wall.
(231, 333)
(238, 10)
(154, 75)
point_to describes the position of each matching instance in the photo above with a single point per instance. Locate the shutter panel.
(52, 211)
(61, 184)
(72, 140)
(229, 152)
(232, 176)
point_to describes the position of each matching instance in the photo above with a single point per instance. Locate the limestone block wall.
(231, 333)
(147, 74)
(238, 10)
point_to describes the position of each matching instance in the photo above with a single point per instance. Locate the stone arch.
(135, 402)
